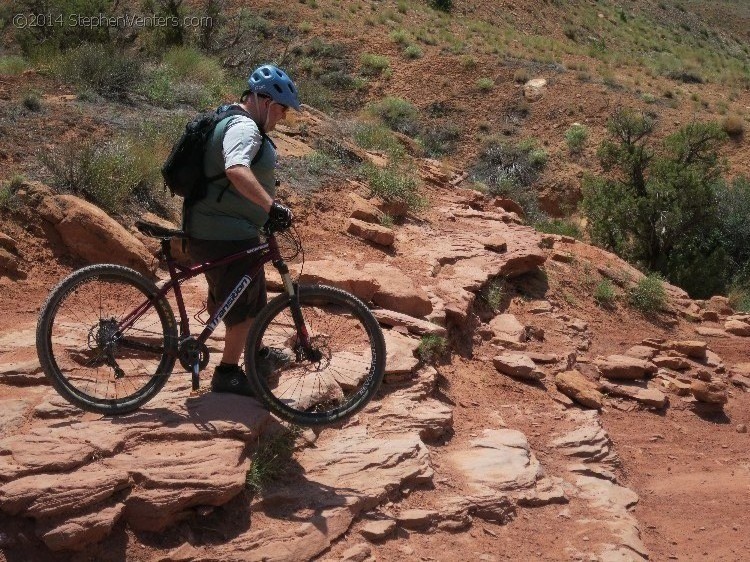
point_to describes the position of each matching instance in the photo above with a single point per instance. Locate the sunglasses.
(284, 108)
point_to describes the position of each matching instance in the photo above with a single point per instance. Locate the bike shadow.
(178, 414)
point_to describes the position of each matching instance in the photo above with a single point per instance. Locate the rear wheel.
(90, 361)
(333, 379)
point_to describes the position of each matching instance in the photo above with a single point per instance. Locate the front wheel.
(93, 356)
(332, 378)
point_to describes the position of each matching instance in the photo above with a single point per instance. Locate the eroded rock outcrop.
(90, 233)
(346, 473)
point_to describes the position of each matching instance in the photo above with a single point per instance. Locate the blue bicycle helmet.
(274, 82)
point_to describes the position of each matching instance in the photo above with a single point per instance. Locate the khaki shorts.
(223, 279)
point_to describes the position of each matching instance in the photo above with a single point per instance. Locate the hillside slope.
(458, 453)
(509, 435)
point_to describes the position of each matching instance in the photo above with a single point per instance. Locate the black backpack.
(183, 169)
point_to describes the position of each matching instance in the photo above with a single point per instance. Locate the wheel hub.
(103, 335)
(319, 353)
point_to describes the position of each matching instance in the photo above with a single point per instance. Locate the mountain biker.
(227, 220)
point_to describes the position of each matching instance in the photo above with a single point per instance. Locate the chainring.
(189, 350)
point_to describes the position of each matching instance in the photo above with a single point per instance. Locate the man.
(228, 218)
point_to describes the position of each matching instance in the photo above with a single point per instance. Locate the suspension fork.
(292, 290)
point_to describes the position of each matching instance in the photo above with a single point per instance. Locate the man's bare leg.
(234, 341)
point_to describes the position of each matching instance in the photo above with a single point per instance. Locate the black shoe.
(232, 380)
(270, 359)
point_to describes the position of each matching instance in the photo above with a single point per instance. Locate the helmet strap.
(257, 109)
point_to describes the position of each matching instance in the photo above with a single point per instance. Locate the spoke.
(81, 314)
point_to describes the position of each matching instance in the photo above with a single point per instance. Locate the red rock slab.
(624, 367)
(51, 450)
(500, 459)
(52, 495)
(77, 532)
(376, 233)
(176, 476)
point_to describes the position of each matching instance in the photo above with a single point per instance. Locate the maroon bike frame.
(267, 252)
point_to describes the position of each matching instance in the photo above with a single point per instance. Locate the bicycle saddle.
(157, 231)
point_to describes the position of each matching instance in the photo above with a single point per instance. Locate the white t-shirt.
(242, 140)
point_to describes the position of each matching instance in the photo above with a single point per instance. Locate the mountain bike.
(108, 340)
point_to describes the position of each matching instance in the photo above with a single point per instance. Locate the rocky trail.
(555, 430)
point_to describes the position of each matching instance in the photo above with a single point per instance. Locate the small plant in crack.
(271, 458)
(432, 348)
(493, 294)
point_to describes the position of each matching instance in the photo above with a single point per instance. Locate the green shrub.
(576, 137)
(311, 92)
(399, 114)
(609, 79)
(521, 76)
(510, 170)
(63, 31)
(32, 102)
(16, 182)
(309, 172)
(537, 158)
(148, 148)
(103, 69)
(88, 96)
(468, 62)
(163, 86)
(402, 6)
(159, 87)
(341, 80)
(188, 63)
(440, 138)
(271, 458)
(373, 65)
(386, 220)
(648, 296)
(688, 76)
(6, 197)
(658, 205)
(185, 75)
(106, 174)
(413, 52)
(739, 298)
(392, 184)
(733, 125)
(493, 294)
(563, 227)
(442, 5)
(12, 64)
(604, 293)
(432, 348)
(485, 84)
(378, 137)
(399, 36)
(9, 200)
(320, 163)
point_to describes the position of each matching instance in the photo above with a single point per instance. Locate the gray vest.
(224, 214)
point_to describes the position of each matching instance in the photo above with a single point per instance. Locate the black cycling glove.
(279, 217)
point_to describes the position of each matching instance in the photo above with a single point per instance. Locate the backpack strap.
(255, 159)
